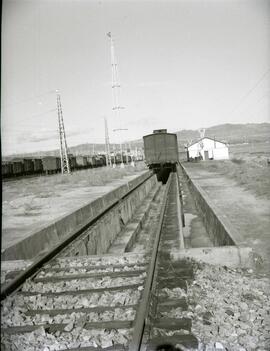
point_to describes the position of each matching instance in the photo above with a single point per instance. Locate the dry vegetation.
(251, 170)
(48, 186)
(44, 185)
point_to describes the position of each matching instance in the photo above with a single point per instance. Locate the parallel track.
(122, 300)
(43, 258)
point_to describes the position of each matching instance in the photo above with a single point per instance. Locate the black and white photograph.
(135, 151)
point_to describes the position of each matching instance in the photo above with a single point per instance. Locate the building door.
(206, 155)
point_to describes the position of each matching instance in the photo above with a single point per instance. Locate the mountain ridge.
(228, 132)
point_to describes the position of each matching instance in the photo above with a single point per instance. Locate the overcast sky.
(182, 65)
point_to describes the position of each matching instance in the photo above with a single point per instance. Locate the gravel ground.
(176, 293)
(14, 308)
(39, 340)
(119, 314)
(229, 309)
(107, 261)
(74, 271)
(81, 284)
(232, 307)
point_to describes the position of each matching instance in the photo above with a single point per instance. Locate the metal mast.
(65, 169)
(115, 90)
(202, 132)
(107, 144)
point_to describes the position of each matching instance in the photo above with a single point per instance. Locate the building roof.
(197, 141)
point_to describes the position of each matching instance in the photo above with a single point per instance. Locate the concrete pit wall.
(49, 236)
(218, 227)
(99, 237)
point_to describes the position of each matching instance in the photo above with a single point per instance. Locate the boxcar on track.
(38, 168)
(51, 164)
(17, 167)
(81, 162)
(28, 166)
(7, 169)
(161, 152)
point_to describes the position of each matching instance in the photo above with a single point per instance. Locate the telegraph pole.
(65, 169)
(107, 144)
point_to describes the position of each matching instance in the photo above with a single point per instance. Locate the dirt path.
(250, 215)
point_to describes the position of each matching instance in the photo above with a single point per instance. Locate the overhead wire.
(262, 107)
(245, 96)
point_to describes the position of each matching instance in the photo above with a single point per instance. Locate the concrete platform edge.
(51, 234)
(218, 226)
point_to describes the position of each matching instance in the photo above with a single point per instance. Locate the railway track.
(167, 320)
(134, 300)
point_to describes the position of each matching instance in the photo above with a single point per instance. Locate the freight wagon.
(118, 158)
(90, 161)
(7, 169)
(51, 164)
(103, 158)
(81, 162)
(72, 162)
(28, 166)
(127, 158)
(38, 168)
(161, 152)
(23, 166)
(99, 162)
(58, 164)
(17, 167)
(48, 165)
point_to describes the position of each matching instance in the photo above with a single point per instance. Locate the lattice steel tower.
(65, 169)
(115, 90)
(107, 144)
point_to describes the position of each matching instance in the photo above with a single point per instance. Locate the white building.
(208, 149)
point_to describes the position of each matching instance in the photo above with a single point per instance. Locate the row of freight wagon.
(48, 165)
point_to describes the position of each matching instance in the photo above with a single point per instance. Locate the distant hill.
(231, 133)
(82, 149)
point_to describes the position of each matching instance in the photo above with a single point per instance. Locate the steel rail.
(142, 312)
(179, 216)
(9, 288)
(180, 196)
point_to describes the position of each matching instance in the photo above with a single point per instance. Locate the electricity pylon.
(107, 144)
(65, 169)
(115, 90)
